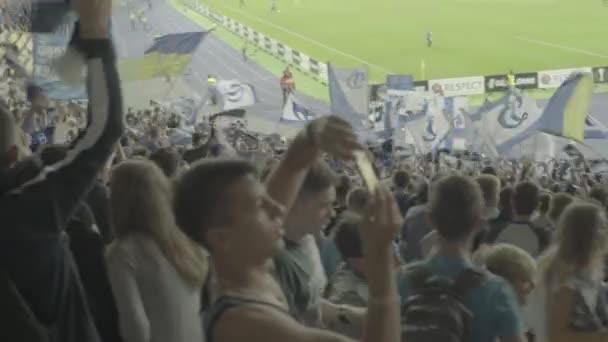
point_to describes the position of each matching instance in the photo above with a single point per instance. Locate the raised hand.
(333, 135)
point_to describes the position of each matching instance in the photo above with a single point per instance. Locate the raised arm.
(67, 180)
(327, 134)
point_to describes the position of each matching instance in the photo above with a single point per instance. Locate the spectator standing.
(521, 232)
(156, 272)
(455, 211)
(34, 250)
(299, 267)
(288, 84)
(570, 302)
(558, 205)
(251, 305)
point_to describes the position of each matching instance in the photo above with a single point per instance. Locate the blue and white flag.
(508, 121)
(235, 94)
(294, 112)
(594, 129)
(348, 92)
(429, 129)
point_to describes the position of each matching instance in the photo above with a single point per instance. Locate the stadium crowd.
(124, 233)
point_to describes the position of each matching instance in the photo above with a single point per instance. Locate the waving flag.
(348, 92)
(429, 128)
(567, 109)
(169, 55)
(294, 112)
(508, 121)
(235, 94)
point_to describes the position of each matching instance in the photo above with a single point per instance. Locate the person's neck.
(454, 249)
(241, 277)
(294, 231)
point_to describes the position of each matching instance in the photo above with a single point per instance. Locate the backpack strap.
(418, 276)
(467, 280)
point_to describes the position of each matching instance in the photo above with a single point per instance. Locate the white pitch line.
(310, 40)
(562, 47)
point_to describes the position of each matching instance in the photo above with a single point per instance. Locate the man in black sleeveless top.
(222, 205)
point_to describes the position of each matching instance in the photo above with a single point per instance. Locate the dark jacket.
(98, 200)
(87, 247)
(37, 202)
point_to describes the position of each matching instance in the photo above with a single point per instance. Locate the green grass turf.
(471, 37)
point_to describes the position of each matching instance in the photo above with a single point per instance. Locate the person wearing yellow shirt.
(511, 80)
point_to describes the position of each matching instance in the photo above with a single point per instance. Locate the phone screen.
(366, 170)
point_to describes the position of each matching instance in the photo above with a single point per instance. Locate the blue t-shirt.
(330, 256)
(494, 305)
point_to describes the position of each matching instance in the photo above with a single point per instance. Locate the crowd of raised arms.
(117, 229)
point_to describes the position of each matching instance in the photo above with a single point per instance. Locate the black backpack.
(435, 310)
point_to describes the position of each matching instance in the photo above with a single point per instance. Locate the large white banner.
(555, 78)
(462, 86)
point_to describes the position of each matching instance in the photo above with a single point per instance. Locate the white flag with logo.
(235, 94)
(429, 127)
(508, 121)
(348, 92)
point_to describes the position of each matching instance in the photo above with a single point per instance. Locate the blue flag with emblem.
(348, 93)
(295, 112)
(235, 94)
(506, 122)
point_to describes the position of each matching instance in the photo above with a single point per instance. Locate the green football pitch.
(470, 37)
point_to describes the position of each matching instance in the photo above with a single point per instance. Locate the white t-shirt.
(521, 235)
(154, 303)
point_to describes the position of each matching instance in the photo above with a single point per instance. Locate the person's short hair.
(558, 205)
(202, 196)
(455, 207)
(490, 188)
(525, 198)
(401, 179)
(32, 91)
(348, 239)
(600, 194)
(357, 199)
(544, 201)
(489, 170)
(320, 177)
(167, 160)
(510, 262)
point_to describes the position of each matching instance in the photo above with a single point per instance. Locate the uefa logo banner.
(600, 75)
(554, 78)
